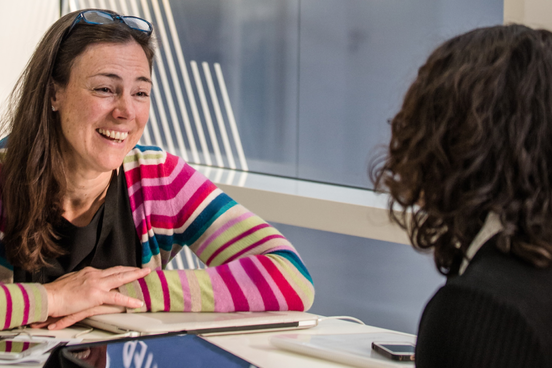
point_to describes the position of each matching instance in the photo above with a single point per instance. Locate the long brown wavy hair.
(33, 174)
(474, 135)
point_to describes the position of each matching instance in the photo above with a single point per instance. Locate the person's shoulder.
(462, 326)
(507, 276)
(153, 163)
(142, 155)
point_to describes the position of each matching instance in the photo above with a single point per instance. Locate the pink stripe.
(9, 346)
(8, 307)
(158, 212)
(185, 291)
(165, 288)
(239, 299)
(270, 303)
(145, 292)
(181, 188)
(221, 294)
(222, 229)
(149, 175)
(236, 239)
(26, 305)
(250, 291)
(282, 304)
(254, 245)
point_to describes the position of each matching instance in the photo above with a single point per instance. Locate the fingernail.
(52, 326)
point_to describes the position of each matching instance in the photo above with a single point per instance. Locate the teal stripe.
(294, 259)
(205, 226)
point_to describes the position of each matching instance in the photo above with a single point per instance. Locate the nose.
(124, 108)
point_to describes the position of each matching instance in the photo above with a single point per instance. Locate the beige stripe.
(195, 290)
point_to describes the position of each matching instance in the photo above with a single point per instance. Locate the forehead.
(127, 59)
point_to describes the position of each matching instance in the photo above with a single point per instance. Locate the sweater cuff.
(134, 290)
(24, 304)
(44, 309)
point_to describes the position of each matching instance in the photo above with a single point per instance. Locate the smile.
(117, 137)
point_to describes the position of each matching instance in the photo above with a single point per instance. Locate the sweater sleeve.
(251, 266)
(21, 304)
(463, 328)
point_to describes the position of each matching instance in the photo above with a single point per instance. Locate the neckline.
(491, 227)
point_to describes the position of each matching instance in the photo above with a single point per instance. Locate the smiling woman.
(90, 223)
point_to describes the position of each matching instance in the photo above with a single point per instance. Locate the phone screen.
(15, 346)
(399, 348)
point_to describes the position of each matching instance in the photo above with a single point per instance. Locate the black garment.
(109, 240)
(497, 314)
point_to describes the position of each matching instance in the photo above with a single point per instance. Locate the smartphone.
(395, 350)
(16, 349)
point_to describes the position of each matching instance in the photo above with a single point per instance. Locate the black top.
(497, 314)
(110, 239)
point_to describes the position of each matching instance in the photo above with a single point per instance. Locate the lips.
(113, 135)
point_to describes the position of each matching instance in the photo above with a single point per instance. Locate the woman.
(87, 214)
(470, 163)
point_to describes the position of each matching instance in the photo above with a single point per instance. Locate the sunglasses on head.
(95, 17)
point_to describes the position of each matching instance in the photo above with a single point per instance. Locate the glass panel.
(297, 88)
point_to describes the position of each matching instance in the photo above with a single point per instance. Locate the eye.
(142, 94)
(103, 90)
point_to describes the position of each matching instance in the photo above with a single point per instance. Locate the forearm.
(255, 283)
(21, 304)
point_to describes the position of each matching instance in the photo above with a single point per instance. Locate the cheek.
(142, 116)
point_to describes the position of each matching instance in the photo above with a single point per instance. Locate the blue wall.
(384, 284)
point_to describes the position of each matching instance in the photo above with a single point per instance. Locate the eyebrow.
(115, 76)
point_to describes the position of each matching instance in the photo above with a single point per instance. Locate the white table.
(257, 349)
(253, 347)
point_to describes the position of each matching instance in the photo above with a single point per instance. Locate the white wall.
(533, 13)
(24, 23)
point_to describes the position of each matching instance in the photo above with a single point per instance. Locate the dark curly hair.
(474, 135)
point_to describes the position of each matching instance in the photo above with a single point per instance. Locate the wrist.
(50, 310)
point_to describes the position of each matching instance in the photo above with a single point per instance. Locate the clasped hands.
(88, 292)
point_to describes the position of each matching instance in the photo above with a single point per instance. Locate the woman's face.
(104, 107)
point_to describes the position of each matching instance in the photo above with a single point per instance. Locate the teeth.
(116, 136)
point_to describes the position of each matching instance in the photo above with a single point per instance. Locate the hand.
(89, 288)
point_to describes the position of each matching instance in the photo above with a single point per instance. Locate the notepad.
(202, 323)
(352, 349)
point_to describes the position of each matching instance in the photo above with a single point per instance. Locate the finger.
(115, 298)
(79, 316)
(49, 321)
(118, 269)
(115, 280)
(39, 324)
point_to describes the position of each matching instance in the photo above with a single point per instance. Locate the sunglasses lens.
(97, 17)
(137, 23)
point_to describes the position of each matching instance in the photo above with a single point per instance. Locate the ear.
(56, 93)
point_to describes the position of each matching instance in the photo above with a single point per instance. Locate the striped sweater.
(251, 266)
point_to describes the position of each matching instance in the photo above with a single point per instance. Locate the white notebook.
(202, 323)
(352, 349)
